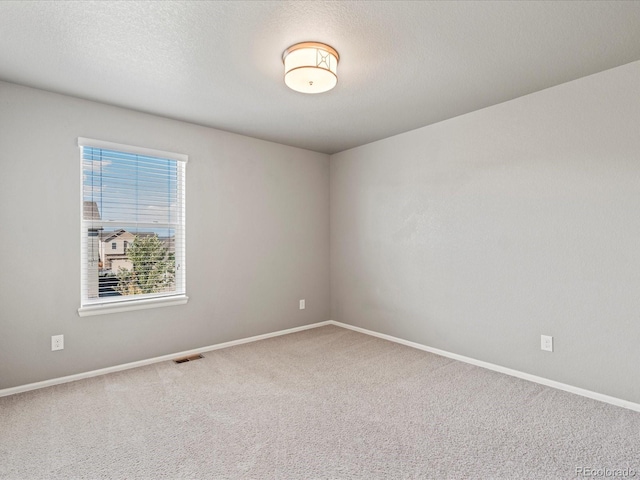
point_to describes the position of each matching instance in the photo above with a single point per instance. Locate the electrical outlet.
(57, 342)
(546, 343)
(302, 304)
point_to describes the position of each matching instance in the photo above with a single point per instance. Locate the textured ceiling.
(403, 65)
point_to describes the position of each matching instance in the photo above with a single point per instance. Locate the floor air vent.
(190, 358)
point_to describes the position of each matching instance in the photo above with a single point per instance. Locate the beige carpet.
(323, 403)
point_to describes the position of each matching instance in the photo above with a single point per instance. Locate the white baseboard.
(498, 368)
(490, 366)
(149, 361)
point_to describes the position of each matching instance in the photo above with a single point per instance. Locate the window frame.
(112, 305)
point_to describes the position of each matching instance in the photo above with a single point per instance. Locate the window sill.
(116, 307)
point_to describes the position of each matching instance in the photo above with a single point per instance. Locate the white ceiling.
(403, 65)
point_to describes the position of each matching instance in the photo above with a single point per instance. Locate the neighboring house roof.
(109, 236)
(91, 211)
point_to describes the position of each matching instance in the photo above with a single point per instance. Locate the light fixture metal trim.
(310, 67)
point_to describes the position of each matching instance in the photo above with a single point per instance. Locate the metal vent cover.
(190, 358)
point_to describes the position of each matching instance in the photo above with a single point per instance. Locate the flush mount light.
(310, 67)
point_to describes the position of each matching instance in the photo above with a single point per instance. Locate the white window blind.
(133, 227)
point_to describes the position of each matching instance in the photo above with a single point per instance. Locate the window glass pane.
(123, 187)
(147, 266)
(132, 225)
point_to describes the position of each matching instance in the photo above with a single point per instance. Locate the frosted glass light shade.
(310, 67)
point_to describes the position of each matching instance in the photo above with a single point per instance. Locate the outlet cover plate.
(57, 342)
(546, 343)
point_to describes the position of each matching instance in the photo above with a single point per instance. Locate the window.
(134, 196)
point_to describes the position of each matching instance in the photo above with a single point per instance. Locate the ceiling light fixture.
(310, 67)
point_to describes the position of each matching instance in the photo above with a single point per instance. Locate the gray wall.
(478, 234)
(257, 238)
